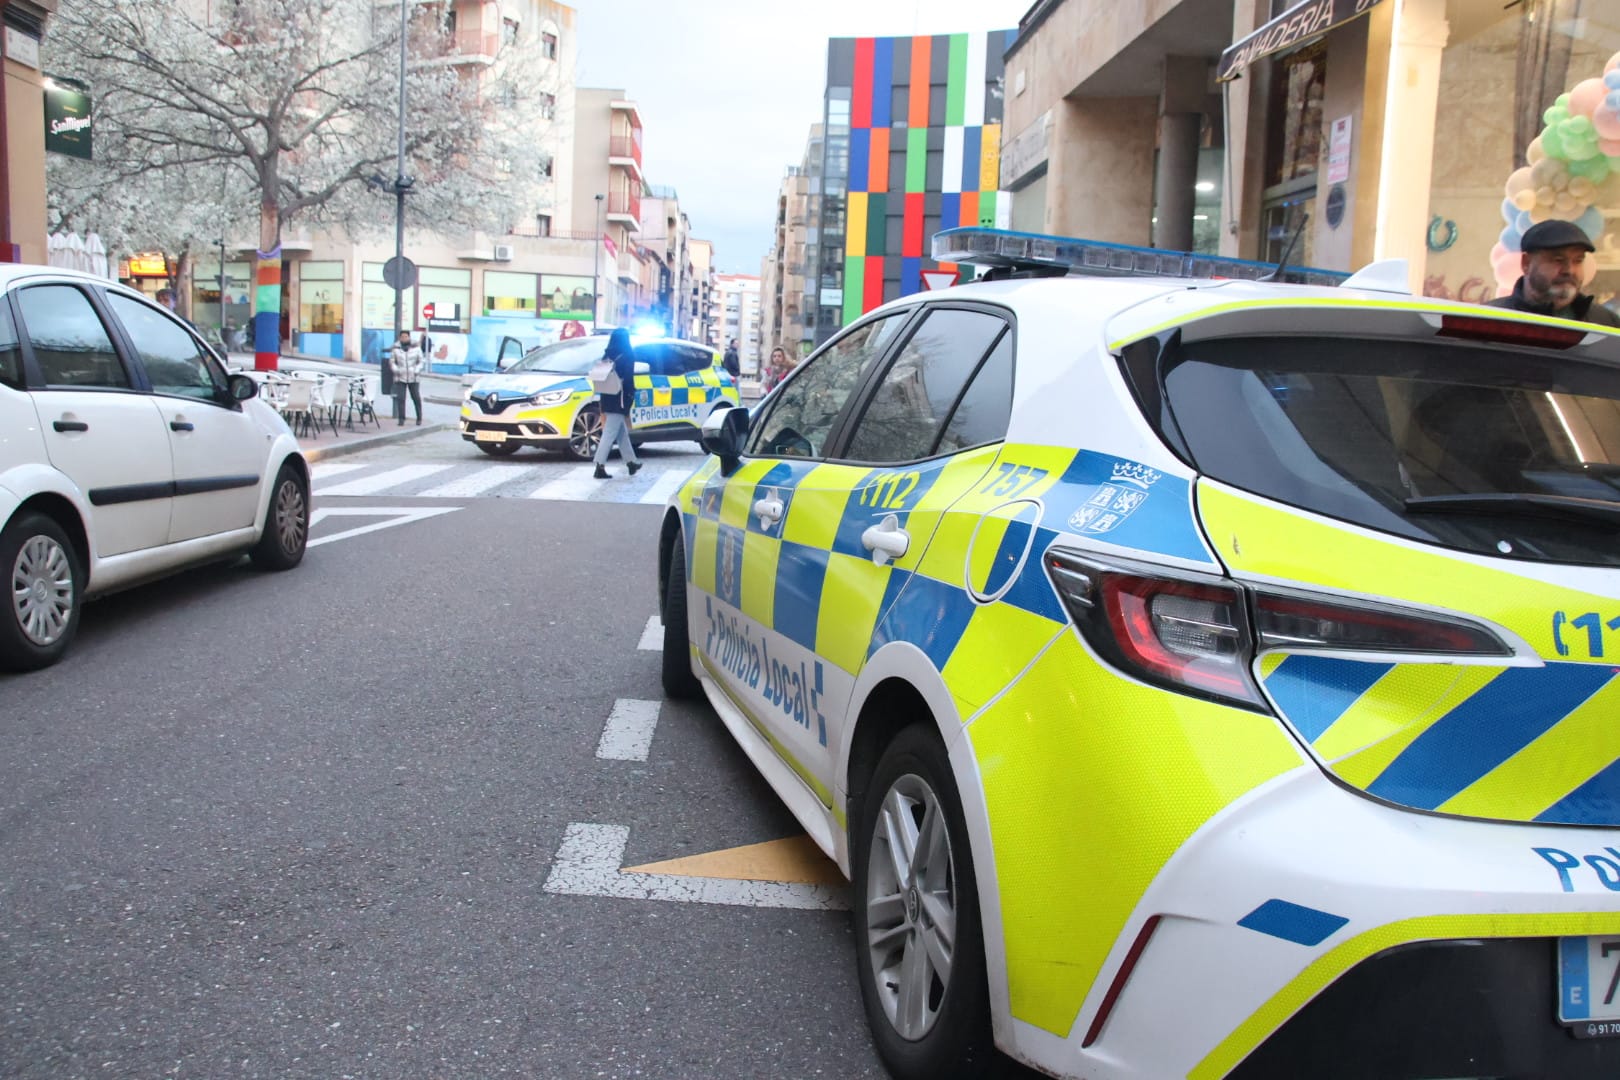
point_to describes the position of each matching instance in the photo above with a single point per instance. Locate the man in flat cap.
(1550, 282)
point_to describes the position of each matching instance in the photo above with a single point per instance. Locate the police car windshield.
(572, 357)
(1383, 433)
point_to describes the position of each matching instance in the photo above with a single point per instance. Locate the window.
(175, 363)
(910, 408)
(11, 373)
(691, 359)
(70, 344)
(507, 293)
(545, 169)
(982, 414)
(320, 298)
(548, 108)
(808, 405)
(542, 224)
(509, 31)
(548, 46)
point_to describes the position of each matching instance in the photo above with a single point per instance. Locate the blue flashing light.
(648, 329)
(1009, 249)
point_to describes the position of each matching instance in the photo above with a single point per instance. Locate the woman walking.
(776, 368)
(407, 362)
(616, 406)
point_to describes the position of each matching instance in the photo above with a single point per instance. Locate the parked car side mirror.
(724, 433)
(241, 388)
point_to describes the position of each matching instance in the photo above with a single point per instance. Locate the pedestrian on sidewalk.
(732, 362)
(616, 405)
(406, 362)
(777, 368)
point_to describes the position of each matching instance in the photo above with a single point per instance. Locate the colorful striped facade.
(913, 146)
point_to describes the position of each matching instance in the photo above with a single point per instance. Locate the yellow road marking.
(794, 859)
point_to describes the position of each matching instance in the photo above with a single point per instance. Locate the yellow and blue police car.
(545, 400)
(1194, 677)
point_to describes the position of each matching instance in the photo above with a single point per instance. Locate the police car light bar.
(1010, 250)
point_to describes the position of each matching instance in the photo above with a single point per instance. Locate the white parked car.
(126, 452)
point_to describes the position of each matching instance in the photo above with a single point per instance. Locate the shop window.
(1295, 136)
(320, 298)
(507, 293)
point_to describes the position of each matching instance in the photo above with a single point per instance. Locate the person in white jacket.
(407, 362)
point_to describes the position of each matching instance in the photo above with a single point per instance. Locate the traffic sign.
(940, 279)
(399, 273)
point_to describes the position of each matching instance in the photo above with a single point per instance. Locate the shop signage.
(1025, 153)
(1338, 170)
(1298, 24)
(22, 47)
(148, 265)
(67, 121)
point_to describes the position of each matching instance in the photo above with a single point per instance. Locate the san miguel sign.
(1299, 23)
(67, 121)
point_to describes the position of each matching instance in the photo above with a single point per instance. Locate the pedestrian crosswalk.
(555, 481)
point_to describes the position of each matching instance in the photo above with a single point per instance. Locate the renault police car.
(545, 399)
(1194, 677)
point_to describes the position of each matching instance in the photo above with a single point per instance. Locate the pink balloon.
(1589, 270)
(1614, 62)
(1606, 122)
(1586, 96)
(1609, 147)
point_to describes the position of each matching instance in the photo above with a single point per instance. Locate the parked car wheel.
(286, 523)
(919, 947)
(43, 585)
(586, 433)
(499, 449)
(679, 682)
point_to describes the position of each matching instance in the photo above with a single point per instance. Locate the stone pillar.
(1100, 169)
(1418, 35)
(1181, 120)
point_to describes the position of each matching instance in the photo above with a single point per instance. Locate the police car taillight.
(1292, 622)
(1191, 636)
(1509, 332)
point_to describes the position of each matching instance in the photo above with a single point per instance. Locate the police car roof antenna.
(1282, 263)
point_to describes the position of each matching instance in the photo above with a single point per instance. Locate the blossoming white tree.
(209, 112)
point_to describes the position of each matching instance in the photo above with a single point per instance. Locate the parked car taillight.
(1201, 636)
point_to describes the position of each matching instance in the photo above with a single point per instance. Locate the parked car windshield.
(572, 357)
(1485, 449)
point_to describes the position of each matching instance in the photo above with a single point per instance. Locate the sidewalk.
(441, 407)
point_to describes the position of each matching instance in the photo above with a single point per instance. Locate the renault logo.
(492, 401)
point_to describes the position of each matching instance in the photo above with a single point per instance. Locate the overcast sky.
(728, 91)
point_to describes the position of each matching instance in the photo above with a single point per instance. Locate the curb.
(319, 453)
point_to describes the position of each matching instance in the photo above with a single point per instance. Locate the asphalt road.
(299, 825)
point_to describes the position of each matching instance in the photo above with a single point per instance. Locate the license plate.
(1589, 985)
(489, 436)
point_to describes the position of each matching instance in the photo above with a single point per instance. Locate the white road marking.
(324, 470)
(653, 636)
(667, 484)
(480, 480)
(629, 732)
(378, 482)
(396, 515)
(589, 860)
(576, 485)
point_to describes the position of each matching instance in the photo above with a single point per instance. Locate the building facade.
(788, 289)
(1412, 129)
(702, 326)
(607, 163)
(22, 131)
(912, 145)
(737, 317)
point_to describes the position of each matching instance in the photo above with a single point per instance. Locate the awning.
(1299, 23)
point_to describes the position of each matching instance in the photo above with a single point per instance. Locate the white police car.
(126, 452)
(544, 400)
(1195, 678)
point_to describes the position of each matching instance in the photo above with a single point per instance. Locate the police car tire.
(679, 682)
(499, 449)
(17, 652)
(959, 1045)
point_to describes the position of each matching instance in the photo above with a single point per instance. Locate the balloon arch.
(1573, 170)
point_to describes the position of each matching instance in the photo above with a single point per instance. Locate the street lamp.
(596, 268)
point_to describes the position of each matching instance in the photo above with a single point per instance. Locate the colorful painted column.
(267, 311)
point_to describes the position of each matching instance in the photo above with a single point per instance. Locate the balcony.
(625, 150)
(625, 208)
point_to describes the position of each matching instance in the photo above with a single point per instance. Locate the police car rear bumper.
(1290, 930)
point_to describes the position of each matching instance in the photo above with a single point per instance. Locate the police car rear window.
(1508, 453)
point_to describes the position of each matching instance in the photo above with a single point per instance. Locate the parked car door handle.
(182, 425)
(70, 425)
(886, 540)
(769, 509)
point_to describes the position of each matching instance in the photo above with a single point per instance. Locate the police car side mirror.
(724, 433)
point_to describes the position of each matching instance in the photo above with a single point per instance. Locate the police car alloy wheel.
(919, 947)
(586, 433)
(42, 577)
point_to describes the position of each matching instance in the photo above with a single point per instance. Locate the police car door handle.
(886, 540)
(768, 510)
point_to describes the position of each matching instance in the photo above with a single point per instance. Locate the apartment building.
(702, 326)
(737, 315)
(788, 289)
(607, 173)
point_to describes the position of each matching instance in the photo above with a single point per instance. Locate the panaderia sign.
(1294, 26)
(67, 121)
